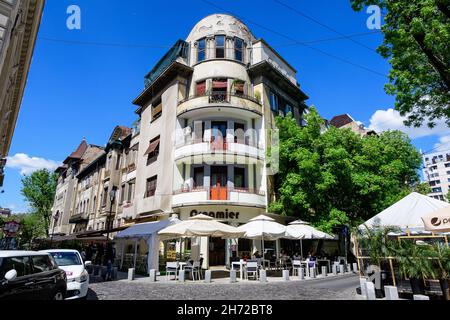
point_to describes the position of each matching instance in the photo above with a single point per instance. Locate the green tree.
(423, 188)
(448, 196)
(416, 42)
(337, 177)
(39, 190)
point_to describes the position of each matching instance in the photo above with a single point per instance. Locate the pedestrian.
(109, 269)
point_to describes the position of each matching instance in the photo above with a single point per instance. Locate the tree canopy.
(337, 177)
(39, 190)
(416, 42)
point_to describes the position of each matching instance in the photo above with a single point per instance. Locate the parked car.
(29, 275)
(74, 266)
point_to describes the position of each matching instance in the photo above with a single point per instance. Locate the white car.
(77, 277)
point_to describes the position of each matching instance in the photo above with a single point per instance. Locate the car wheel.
(58, 295)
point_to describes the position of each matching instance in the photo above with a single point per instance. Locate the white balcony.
(230, 197)
(233, 104)
(218, 152)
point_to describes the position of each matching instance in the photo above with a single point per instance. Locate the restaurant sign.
(217, 214)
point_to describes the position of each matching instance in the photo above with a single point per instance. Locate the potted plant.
(440, 254)
(258, 96)
(414, 263)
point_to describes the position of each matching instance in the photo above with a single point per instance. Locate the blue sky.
(79, 90)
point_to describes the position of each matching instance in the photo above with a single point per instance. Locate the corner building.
(207, 119)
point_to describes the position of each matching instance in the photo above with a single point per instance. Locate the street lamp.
(55, 220)
(112, 196)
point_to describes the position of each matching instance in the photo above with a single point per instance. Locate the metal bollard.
(335, 271)
(263, 276)
(324, 271)
(355, 268)
(370, 290)
(152, 275)
(208, 276)
(391, 292)
(131, 274)
(286, 275)
(341, 269)
(181, 276)
(232, 276)
(362, 283)
(312, 272)
(301, 273)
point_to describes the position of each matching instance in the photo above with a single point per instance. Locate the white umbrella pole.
(264, 265)
(301, 247)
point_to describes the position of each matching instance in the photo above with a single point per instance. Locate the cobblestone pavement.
(331, 288)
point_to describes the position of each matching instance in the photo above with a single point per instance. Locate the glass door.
(219, 179)
(218, 135)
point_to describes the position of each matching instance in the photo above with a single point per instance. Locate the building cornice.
(172, 71)
(265, 69)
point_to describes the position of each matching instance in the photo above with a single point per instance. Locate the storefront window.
(239, 177)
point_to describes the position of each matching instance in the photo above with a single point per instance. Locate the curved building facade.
(207, 122)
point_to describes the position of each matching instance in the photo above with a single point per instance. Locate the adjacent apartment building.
(206, 126)
(436, 172)
(345, 121)
(19, 24)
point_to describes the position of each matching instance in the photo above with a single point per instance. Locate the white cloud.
(26, 164)
(443, 144)
(390, 119)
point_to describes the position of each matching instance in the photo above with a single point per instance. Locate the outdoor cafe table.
(181, 266)
(241, 267)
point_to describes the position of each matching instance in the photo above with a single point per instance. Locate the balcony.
(219, 151)
(235, 103)
(223, 195)
(79, 218)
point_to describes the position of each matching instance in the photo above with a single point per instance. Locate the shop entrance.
(216, 252)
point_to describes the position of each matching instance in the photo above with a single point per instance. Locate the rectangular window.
(238, 49)
(201, 50)
(199, 174)
(287, 109)
(239, 177)
(273, 102)
(219, 90)
(447, 165)
(437, 189)
(239, 133)
(118, 162)
(151, 187)
(156, 110)
(239, 87)
(152, 152)
(104, 197)
(220, 47)
(130, 191)
(122, 193)
(201, 88)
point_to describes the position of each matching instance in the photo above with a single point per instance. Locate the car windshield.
(66, 258)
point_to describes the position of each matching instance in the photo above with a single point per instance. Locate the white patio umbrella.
(263, 228)
(200, 226)
(299, 230)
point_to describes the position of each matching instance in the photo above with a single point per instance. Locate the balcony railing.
(222, 97)
(203, 189)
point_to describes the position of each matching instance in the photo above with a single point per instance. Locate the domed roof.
(220, 23)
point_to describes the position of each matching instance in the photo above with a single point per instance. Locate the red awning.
(152, 147)
(220, 84)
